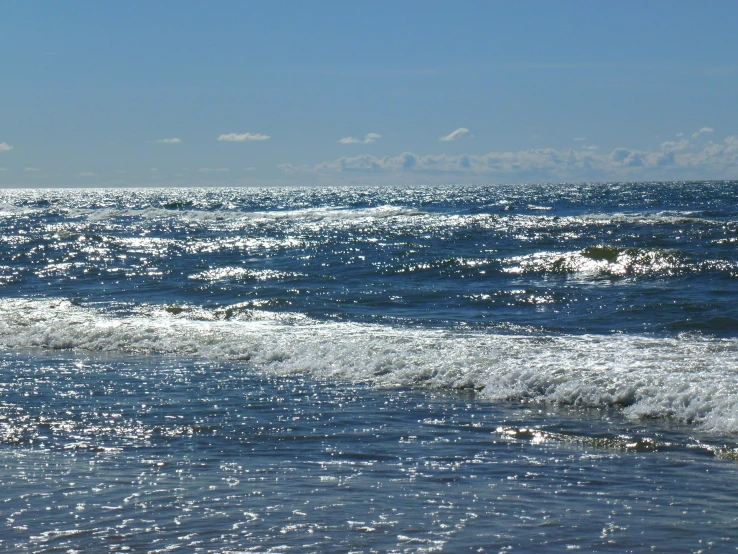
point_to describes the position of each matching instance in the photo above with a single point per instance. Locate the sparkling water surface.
(529, 368)
(151, 455)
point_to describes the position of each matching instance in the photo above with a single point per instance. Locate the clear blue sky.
(194, 93)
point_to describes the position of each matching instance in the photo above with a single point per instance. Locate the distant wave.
(604, 260)
(688, 378)
(199, 215)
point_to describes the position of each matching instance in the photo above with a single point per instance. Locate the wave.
(206, 216)
(688, 378)
(658, 218)
(604, 260)
(225, 273)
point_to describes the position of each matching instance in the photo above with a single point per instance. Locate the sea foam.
(690, 379)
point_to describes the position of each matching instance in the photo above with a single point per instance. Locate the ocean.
(521, 368)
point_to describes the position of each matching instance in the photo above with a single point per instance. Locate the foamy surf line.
(688, 379)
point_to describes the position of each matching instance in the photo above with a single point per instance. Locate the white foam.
(690, 379)
(223, 273)
(618, 263)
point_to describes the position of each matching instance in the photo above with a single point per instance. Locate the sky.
(233, 93)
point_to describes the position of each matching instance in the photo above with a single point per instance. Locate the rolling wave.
(689, 379)
(604, 260)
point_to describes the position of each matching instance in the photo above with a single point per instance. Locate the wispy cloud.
(85, 174)
(4, 147)
(368, 139)
(702, 131)
(459, 133)
(579, 139)
(213, 169)
(242, 137)
(674, 159)
(32, 169)
(169, 141)
(3, 168)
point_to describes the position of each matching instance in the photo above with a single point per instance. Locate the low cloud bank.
(675, 159)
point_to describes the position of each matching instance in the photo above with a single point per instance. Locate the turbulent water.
(394, 369)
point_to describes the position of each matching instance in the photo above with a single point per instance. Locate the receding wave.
(689, 378)
(620, 442)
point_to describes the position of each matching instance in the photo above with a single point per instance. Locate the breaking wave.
(690, 379)
(613, 261)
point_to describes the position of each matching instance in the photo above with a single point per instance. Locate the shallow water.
(139, 454)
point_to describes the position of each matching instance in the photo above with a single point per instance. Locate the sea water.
(432, 369)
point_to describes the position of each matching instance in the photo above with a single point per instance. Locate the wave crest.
(690, 379)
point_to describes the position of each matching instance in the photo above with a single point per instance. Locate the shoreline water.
(202, 456)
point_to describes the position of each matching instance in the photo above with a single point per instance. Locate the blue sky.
(250, 93)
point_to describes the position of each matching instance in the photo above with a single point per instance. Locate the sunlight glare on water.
(133, 454)
(381, 369)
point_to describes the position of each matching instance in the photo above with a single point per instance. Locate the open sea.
(531, 368)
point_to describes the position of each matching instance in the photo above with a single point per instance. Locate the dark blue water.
(539, 367)
(564, 258)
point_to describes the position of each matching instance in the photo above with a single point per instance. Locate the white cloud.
(579, 139)
(235, 137)
(169, 141)
(674, 160)
(213, 169)
(85, 174)
(249, 168)
(702, 131)
(675, 146)
(368, 139)
(456, 135)
(4, 147)
(3, 168)
(32, 169)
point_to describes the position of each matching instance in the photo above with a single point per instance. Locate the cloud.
(459, 133)
(85, 174)
(169, 141)
(213, 169)
(675, 146)
(249, 168)
(32, 169)
(368, 139)
(235, 137)
(702, 131)
(674, 160)
(4, 147)
(580, 139)
(3, 168)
